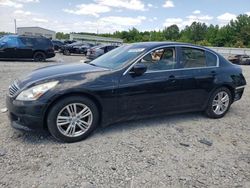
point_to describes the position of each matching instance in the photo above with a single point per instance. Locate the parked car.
(69, 41)
(240, 59)
(57, 44)
(97, 51)
(133, 81)
(76, 48)
(26, 47)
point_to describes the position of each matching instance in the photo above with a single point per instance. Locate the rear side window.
(42, 41)
(192, 58)
(211, 59)
(27, 41)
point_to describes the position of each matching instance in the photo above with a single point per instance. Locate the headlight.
(35, 92)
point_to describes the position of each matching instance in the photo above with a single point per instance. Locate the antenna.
(15, 26)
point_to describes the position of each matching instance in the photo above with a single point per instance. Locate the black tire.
(66, 52)
(209, 110)
(58, 106)
(39, 57)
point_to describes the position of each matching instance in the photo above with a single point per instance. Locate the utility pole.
(15, 26)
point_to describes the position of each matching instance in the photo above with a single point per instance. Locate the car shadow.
(37, 138)
(168, 120)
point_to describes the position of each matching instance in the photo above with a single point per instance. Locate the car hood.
(55, 71)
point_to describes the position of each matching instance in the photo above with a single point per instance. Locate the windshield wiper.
(93, 64)
(98, 66)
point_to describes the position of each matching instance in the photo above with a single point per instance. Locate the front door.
(155, 92)
(8, 50)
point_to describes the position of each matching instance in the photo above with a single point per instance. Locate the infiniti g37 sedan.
(133, 81)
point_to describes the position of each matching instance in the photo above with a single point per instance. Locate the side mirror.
(3, 44)
(138, 70)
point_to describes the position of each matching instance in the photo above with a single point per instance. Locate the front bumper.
(26, 115)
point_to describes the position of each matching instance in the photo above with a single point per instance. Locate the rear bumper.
(50, 54)
(25, 115)
(238, 92)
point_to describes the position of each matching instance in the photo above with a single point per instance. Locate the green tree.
(241, 29)
(171, 33)
(61, 35)
(211, 34)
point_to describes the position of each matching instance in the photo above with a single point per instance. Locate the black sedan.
(133, 81)
(57, 44)
(75, 48)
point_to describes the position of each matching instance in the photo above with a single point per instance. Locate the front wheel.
(219, 103)
(73, 119)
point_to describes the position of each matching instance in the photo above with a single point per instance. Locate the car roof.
(152, 45)
(27, 36)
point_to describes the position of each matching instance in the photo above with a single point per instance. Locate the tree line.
(235, 34)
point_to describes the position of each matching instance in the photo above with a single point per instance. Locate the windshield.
(3, 39)
(118, 57)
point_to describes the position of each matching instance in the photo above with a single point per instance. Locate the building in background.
(36, 31)
(95, 39)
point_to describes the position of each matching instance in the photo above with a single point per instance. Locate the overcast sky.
(110, 15)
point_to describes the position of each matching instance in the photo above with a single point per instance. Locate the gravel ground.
(157, 152)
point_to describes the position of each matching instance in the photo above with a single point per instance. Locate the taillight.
(51, 49)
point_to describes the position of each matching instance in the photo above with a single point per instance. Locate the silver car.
(97, 51)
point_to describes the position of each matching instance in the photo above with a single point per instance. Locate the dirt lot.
(158, 152)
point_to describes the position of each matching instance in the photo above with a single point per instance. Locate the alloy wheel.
(220, 103)
(74, 119)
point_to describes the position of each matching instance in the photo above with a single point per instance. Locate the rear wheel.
(73, 119)
(219, 103)
(39, 57)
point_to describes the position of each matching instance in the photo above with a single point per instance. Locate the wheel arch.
(228, 86)
(231, 89)
(42, 51)
(61, 97)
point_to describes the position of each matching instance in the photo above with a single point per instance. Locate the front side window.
(12, 42)
(160, 59)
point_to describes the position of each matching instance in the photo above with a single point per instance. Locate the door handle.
(213, 73)
(172, 78)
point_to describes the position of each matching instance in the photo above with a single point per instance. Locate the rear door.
(198, 70)
(25, 47)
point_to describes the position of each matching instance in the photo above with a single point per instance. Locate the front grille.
(13, 89)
